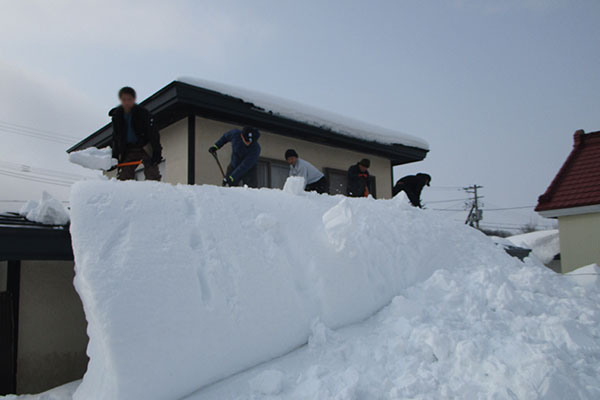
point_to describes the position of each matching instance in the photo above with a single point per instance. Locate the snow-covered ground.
(209, 288)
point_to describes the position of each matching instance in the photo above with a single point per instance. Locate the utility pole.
(475, 214)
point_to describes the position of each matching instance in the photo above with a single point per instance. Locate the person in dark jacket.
(135, 137)
(358, 179)
(412, 185)
(244, 156)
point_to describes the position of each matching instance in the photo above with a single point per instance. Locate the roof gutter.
(565, 212)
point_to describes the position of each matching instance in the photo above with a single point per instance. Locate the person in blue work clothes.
(244, 156)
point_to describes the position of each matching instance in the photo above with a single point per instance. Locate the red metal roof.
(577, 183)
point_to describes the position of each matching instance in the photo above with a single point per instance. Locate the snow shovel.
(219, 164)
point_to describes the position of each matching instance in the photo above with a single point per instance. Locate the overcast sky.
(496, 87)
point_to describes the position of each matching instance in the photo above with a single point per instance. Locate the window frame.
(329, 171)
(269, 162)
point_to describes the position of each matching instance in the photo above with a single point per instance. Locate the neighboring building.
(192, 115)
(43, 337)
(573, 198)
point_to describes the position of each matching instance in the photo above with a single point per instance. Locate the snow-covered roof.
(310, 115)
(544, 244)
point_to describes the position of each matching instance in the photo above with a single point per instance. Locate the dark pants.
(250, 179)
(321, 186)
(151, 172)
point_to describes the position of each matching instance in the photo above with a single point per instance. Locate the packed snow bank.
(543, 244)
(94, 158)
(310, 115)
(496, 330)
(588, 276)
(186, 285)
(48, 211)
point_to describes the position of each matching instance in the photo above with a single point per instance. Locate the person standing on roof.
(412, 185)
(135, 138)
(314, 180)
(359, 179)
(244, 156)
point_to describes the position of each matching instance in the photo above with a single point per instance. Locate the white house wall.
(579, 240)
(174, 140)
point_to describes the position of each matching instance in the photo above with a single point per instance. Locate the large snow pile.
(186, 285)
(94, 158)
(497, 330)
(311, 115)
(545, 245)
(48, 211)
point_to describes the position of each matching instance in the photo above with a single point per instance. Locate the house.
(573, 198)
(192, 114)
(43, 337)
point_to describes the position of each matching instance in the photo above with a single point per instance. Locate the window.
(272, 173)
(139, 173)
(338, 181)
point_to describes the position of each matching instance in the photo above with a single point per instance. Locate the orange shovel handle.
(127, 164)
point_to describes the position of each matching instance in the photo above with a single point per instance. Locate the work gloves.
(213, 150)
(228, 181)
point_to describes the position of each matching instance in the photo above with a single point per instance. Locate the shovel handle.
(129, 163)
(219, 164)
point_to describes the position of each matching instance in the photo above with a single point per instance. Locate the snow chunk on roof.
(48, 211)
(544, 244)
(310, 115)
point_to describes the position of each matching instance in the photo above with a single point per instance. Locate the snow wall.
(186, 285)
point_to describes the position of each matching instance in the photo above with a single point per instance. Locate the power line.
(37, 130)
(34, 178)
(508, 208)
(37, 136)
(23, 168)
(446, 201)
(34, 133)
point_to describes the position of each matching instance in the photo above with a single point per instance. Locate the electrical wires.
(21, 130)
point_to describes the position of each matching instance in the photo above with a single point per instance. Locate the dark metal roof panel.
(179, 99)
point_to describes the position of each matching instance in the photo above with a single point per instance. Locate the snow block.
(186, 285)
(48, 211)
(94, 158)
(294, 185)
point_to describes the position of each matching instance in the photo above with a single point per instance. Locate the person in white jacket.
(314, 180)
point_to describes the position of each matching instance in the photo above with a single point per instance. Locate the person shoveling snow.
(135, 141)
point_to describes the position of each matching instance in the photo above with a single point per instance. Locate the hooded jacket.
(243, 158)
(143, 126)
(412, 185)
